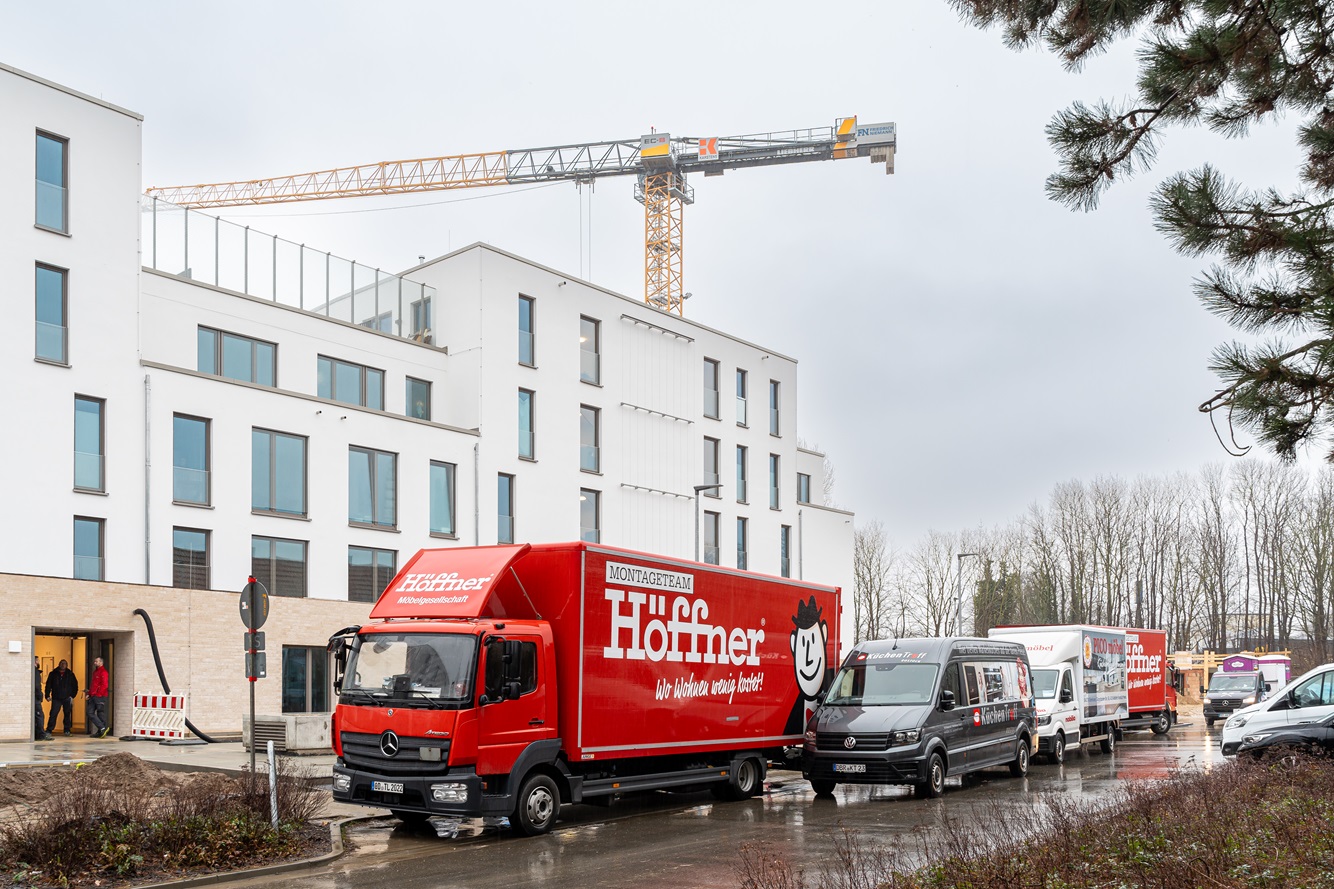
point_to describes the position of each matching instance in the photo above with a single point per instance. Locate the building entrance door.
(73, 650)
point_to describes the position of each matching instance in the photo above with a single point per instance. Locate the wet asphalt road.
(686, 841)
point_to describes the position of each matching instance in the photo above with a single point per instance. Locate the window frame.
(784, 550)
(742, 473)
(364, 386)
(531, 431)
(408, 398)
(63, 275)
(530, 333)
(311, 652)
(451, 472)
(593, 534)
(775, 408)
(177, 565)
(208, 461)
(713, 523)
(374, 482)
(775, 481)
(713, 477)
(742, 543)
(375, 552)
(38, 182)
(272, 458)
(219, 338)
(270, 577)
(419, 311)
(714, 391)
(505, 506)
(803, 482)
(742, 391)
(101, 557)
(595, 377)
(593, 465)
(101, 453)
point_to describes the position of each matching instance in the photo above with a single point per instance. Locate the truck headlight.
(1237, 721)
(1044, 719)
(908, 737)
(449, 793)
(1208, 700)
(810, 738)
(341, 782)
(1248, 700)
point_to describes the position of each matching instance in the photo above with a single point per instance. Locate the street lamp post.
(958, 593)
(698, 490)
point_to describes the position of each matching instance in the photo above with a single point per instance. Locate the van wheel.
(934, 785)
(1163, 724)
(1057, 754)
(823, 786)
(535, 809)
(744, 781)
(1208, 722)
(1108, 743)
(1019, 765)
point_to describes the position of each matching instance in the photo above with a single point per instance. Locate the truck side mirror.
(947, 700)
(1269, 686)
(1066, 696)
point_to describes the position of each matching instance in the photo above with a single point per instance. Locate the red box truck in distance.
(507, 680)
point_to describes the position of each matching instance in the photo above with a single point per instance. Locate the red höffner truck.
(507, 680)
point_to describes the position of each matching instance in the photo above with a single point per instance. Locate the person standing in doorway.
(39, 732)
(97, 700)
(61, 687)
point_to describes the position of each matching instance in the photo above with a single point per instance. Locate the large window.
(305, 680)
(52, 176)
(527, 334)
(280, 565)
(189, 558)
(785, 550)
(368, 572)
(590, 350)
(371, 487)
(712, 521)
(741, 474)
(803, 488)
(711, 458)
(710, 388)
(740, 397)
(590, 422)
(418, 399)
(504, 508)
(89, 441)
(351, 383)
(590, 516)
(742, 542)
(775, 402)
(52, 313)
(442, 499)
(774, 476)
(277, 472)
(190, 460)
(237, 357)
(89, 547)
(527, 431)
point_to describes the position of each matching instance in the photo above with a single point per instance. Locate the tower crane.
(659, 161)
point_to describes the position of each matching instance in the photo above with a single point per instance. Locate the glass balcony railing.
(87, 568)
(505, 529)
(589, 458)
(50, 206)
(711, 403)
(710, 555)
(51, 341)
(88, 471)
(740, 411)
(189, 485)
(590, 366)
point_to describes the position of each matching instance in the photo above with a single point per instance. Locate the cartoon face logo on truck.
(808, 647)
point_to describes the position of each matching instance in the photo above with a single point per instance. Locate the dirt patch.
(22, 789)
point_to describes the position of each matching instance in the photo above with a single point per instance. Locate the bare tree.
(873, 614)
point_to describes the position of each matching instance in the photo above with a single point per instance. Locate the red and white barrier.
(159, 716)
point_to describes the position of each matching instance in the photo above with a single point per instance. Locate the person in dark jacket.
(61, 687)
(39, 732)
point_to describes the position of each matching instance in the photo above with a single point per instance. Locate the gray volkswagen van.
(911, 711)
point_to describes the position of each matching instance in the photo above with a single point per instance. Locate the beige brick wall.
(199, 635)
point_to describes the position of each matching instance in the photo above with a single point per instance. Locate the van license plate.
(849, 766)
(387, 786)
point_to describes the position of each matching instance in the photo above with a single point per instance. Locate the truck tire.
(1057, 754)
(411, 819)
(536, 807)
(743, 781)
(1162, 724)
(1108, 744)
(934, 785)
(1019, 765)
(1208, 722)
(823, 786)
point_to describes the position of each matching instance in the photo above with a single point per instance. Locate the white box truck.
(1079, 682)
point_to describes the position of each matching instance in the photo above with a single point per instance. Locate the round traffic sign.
(254, 605)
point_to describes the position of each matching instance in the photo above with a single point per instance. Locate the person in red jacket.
(97, 700)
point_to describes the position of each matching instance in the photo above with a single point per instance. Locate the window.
(785, 551)
(190, 460)
(740, 474)
(52, 304)
(383, 322)
(237, 357)
(590, 503)
(89, 437)
(589, 434)
(710, 388)
(52, 174)
(280, 565)
(189, 558)
(305, 680)
(89, 545)
(711, 526)
(442, 498)
(775, 401)
(371, 488)
(504, 508)
(418, 399)
(741, 548)
(803, 488)
(711, 466)
(774, 476)
(277, 472)
(351, 383)
(527, 436)
(368, 572)
(527, 342)
(1318, 691)
(590, 350)
(740, 397)
(493, 681)
(421, 321)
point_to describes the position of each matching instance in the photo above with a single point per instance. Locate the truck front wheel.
(1163, 723)
(934, 785)
(1109, 743)
(1057, 754)
(535, 809)
(743, 782)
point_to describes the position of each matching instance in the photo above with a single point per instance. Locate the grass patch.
(1244, 825)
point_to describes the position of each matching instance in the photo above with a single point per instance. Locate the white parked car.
(1307, 699)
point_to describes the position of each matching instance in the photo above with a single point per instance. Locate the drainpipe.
(148, 478)
(801, 545)
(476, 494)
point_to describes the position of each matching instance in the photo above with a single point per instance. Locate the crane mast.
(659, 162)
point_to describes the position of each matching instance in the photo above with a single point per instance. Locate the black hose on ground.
(157, 661)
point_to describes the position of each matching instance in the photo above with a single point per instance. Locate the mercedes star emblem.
(849, 742)
(389, 744)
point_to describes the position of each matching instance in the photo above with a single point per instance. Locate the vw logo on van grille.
(850, 742)
(389, 744)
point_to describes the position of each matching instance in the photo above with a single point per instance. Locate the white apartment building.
(191, 403)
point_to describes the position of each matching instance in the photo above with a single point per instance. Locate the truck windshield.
(867, 685)
(1235, 682)
(408, 667)
(1044, 683)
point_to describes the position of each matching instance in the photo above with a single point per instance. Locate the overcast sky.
(964, 343)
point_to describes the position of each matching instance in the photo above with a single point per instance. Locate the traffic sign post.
(254, 607)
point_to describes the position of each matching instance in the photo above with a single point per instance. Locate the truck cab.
(1057, 710)
(1230, 692)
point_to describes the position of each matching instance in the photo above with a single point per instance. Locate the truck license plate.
(387, 786)
(849, 766)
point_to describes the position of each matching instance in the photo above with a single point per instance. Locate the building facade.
(193, 403)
